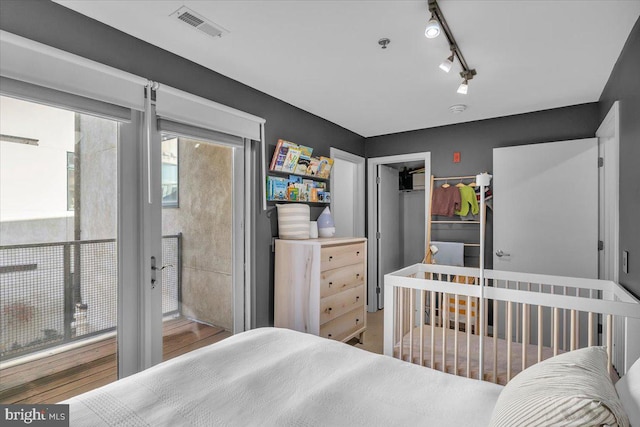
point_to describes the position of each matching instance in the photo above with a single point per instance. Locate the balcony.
(57, 293)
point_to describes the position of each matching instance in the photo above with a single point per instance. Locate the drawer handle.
(330, 283)
(357, 298)
(358, 253)
(357, 320)
(329, 335)
(358, 275)
(328, 310)
(330, 258)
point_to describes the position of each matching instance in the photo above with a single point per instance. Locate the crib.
(440, 317)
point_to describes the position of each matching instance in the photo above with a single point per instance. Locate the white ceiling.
(324, 57)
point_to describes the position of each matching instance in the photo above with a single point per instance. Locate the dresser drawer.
(343, 326)
(338, 304)
(338, 256)
(341, 279)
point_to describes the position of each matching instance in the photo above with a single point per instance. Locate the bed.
(279, 377)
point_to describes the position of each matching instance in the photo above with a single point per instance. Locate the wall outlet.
(625, 262)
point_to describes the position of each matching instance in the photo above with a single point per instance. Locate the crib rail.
(438, 316)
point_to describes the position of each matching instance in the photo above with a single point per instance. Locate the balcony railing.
(56, 293)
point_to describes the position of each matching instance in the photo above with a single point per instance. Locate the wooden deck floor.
(61, 376)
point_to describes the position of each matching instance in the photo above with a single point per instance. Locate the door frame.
(608, 135)
(372, 217)
(359, 187)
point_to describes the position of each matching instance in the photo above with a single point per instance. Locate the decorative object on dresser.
(326, 225)
(320, 287)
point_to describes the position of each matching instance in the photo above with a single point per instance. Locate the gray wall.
(624, 85)
(475, 141)
(57, 26)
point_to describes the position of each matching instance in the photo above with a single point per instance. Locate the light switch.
(625, 262)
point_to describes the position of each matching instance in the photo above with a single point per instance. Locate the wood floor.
(61, 376)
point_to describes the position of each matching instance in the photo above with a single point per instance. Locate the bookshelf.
(295, 175)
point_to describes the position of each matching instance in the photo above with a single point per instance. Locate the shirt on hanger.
(445, 201)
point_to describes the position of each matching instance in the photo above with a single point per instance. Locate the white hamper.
(293, 221)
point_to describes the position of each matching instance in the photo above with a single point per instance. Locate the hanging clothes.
(468, 201)
(445, 201)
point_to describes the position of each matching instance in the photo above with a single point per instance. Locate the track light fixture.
(464, 87)
(438, 23)
(447, 63)
(466, 76)
(433, 28)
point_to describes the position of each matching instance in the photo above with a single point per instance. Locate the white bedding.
(278, 377)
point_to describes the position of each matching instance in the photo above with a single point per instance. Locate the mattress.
(278, 377)
(474, 341)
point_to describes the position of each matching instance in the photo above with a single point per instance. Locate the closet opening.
(397, 217)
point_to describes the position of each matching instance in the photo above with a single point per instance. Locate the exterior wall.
(98, 177)
(33, 179)
(624, 85)
(204, 217)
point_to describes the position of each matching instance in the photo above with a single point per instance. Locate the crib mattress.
(531, 353)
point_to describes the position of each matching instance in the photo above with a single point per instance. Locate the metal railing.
(55, 293)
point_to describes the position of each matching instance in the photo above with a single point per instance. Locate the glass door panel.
(58, 252)
(197, 248)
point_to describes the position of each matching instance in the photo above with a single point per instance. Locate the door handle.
(154, 269)
(500, 254)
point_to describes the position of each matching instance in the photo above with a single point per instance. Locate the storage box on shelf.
(320, 287)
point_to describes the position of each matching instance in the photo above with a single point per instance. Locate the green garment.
(467, 197)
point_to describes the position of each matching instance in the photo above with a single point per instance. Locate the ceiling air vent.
(198, 22)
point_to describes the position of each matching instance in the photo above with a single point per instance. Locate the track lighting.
(438, 24)
(464, 87)
(433, 28)
(447, 63)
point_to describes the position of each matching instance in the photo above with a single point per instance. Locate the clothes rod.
(444, 178)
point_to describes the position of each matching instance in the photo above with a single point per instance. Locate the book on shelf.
(303, 160)
(291, 159)
(324, 167)
(280, 154)
(277, 188)
(312, 170)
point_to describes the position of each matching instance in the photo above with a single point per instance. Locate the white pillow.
(572, 389)
(628, 388)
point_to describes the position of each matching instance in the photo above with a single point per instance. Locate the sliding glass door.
(197, 247)
(58, 251)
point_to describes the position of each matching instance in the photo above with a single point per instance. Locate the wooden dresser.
(320, 286)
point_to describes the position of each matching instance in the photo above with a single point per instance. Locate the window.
(170, 172)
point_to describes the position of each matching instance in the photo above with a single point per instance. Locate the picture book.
(291, 159)
(280, 155)
(277, 188)
(303, 160)
(324, 167)
(274, 159)
(312, 170)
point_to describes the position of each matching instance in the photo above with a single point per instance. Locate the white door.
(347, 201)
(389, 244)
(546, 208)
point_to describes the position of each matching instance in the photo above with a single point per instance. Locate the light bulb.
(446, 64)
(433, 28)
(464, 87)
